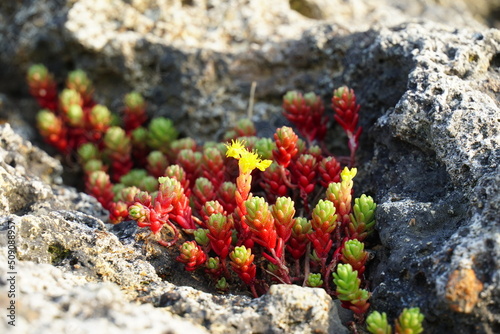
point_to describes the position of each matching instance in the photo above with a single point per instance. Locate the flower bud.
(148, 183)
(191, 255)
(301, 227)
(138, 212)
(117, 141)
(347, 281)
(353, 253)
(93, 165)
(304, 172)
(133, 177)
(226, 196)
(156, 163)
(178, 145)
(376, 323)
(161, 133)
(100, 117)
(213, 264)
(210, 208)
(410, 321)
(139, 136)
(170, 185)
(99, 185)
(75, 115)
(69, 97)
(80, 82)
(362, 221)
(286, 145)
(283, 211)
(126, 194)
(329, 171)
(49, 124)
(364, 209)
(242, 263)
(222, 284)
(134, 101)
(324, 217)
(314, 280)
(143, 197)
(348, 290)
(245, 127)
(88, 151)
(200, 236)
(217, 223)
(118, 212)
(37, 73)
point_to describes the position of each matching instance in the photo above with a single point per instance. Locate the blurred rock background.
(427, 74)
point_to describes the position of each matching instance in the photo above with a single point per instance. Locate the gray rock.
(32, 181)
(284, 309)
(49, 299)
(435, 175)
(427, 77)
(308, 310)
(195, 60)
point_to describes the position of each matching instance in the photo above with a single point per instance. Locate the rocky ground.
(427, 74)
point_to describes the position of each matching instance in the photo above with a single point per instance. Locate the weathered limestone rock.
(426, 73)
(195, 60)
(436, 172)
(51, 300)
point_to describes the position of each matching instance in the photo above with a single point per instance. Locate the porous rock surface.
(427, 74)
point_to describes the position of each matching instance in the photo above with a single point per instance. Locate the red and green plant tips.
(249, 210)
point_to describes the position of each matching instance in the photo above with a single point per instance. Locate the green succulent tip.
(376, 323)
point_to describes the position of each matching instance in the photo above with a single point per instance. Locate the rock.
(284, 309)
(435, 171)
(195, 61)
(32, 181)
(426, 73)
(309, 310)
(49, 299)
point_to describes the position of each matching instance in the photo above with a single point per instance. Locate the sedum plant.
(246, 211)
(409, 322)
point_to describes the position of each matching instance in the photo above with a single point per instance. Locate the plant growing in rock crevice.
(408, 322)
(253, 210)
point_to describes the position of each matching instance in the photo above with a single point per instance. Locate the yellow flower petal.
(262, 165)
(248, 161)
(236, 149)
(348, 175)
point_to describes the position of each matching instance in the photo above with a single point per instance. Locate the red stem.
(286, 181)
(307, 269)
(328, 271)
(283, 269)
(254, 292)
(174, 231)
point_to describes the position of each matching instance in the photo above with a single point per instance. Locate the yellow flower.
(236, 149)
(248, 161)
(347, 175)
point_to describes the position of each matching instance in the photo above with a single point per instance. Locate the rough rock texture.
(32, 181)
(427, 74)
(284, 309)
(437, 179)
(52, 300)
(195, 60)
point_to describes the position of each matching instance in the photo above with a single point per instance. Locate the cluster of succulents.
(256, 211)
